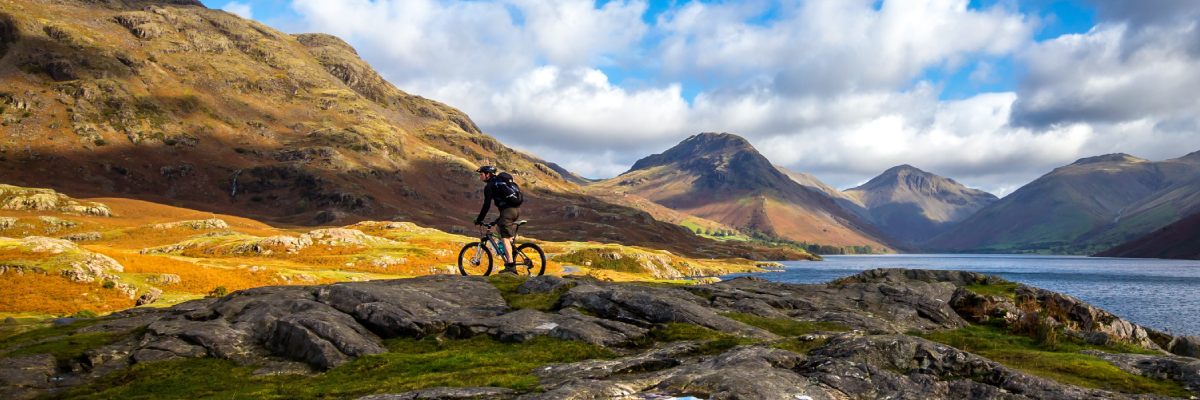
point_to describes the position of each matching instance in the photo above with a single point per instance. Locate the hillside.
(911, 205)
(60, 255)
(1179, 240)
(721, 177)
(173, 103)
(1089, 205)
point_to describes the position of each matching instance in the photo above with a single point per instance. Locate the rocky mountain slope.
(1178, 240)
(1090, 205)
(170, 102)
(879, 334)
(912, 206)
(721, 177)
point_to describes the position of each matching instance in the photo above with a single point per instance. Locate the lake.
(1160, 294)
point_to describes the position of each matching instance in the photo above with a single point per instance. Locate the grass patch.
(601, 259)
(1005, 289)
(713, 342)
(1063, 363)
(508, 284)
(800, 346)
(786, 326)
(409, 364)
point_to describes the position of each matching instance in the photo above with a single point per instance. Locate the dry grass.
(33, 292)
(219, 258)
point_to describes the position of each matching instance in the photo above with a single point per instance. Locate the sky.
(992, 93)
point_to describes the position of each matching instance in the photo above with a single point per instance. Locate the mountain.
(1091, 204)
(721, 177)
(911, 205)
(170, 102)
(1178, 240)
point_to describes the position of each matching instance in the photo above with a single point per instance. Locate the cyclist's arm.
(487, 204)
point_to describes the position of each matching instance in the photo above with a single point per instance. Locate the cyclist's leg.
(506, 224)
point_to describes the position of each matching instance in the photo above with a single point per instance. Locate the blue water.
(1160, 294)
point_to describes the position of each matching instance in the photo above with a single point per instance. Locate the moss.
(409, 364)
(713, 342)
(1063, 362)
(799, 346)
(601, 259)
(508, 284)
(64, 342)
(1005, 289)
(787, 326)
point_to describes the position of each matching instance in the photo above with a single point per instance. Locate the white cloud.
(832, 87)
(240, 9)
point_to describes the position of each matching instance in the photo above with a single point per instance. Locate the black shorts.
(507, 223)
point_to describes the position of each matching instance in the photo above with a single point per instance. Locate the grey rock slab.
(26, 377)
(544, 284)
(523, 325)
(900, 366)
(417, 306)
(1185, 370)
(448, 393)
(649, 305)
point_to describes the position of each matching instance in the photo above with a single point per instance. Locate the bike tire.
(464, 260)
(532, 257)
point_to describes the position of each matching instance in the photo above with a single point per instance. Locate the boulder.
(644, 305)
(1185, 370)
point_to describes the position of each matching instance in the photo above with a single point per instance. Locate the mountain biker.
(497, 185)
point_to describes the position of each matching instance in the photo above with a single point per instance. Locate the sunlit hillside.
(64, 255)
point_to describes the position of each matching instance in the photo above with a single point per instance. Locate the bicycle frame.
(489, 238)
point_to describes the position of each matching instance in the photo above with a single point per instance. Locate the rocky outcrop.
(197, 225)
(28, 199)
(298, 328)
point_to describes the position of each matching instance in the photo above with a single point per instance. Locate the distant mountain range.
(721, 177)
(911, 205)
(1087, 206)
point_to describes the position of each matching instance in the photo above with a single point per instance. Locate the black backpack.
(507, 192)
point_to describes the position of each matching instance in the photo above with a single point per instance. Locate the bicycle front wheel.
(475, 259)
(531, 260)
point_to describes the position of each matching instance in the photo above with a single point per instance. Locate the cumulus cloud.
(833, 87)
(240, 9)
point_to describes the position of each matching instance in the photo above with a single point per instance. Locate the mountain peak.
(703, 146)
(904, 168)
(1114, 157)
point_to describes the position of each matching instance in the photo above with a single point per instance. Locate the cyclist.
(500, 189)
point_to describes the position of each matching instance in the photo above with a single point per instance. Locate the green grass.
(786, 326)
(599, 259)
(508, 284)
(1005, 289)
(409, 364)
(712, 342)
(27, 338)
(1062, 363)
(799, 346)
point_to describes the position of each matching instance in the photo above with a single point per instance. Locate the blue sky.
(990, 92)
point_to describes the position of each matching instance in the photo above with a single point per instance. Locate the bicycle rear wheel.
(475, 259)
(532, 258)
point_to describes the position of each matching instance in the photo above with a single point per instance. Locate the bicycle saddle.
(521, 222)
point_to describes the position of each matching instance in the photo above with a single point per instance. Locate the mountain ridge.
(913, 205)
(721, 177)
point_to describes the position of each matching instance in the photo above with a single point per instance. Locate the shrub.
(219, 291)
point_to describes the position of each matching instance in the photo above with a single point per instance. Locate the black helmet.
(486, 169)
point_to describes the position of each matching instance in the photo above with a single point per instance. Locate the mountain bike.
(476, 258)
